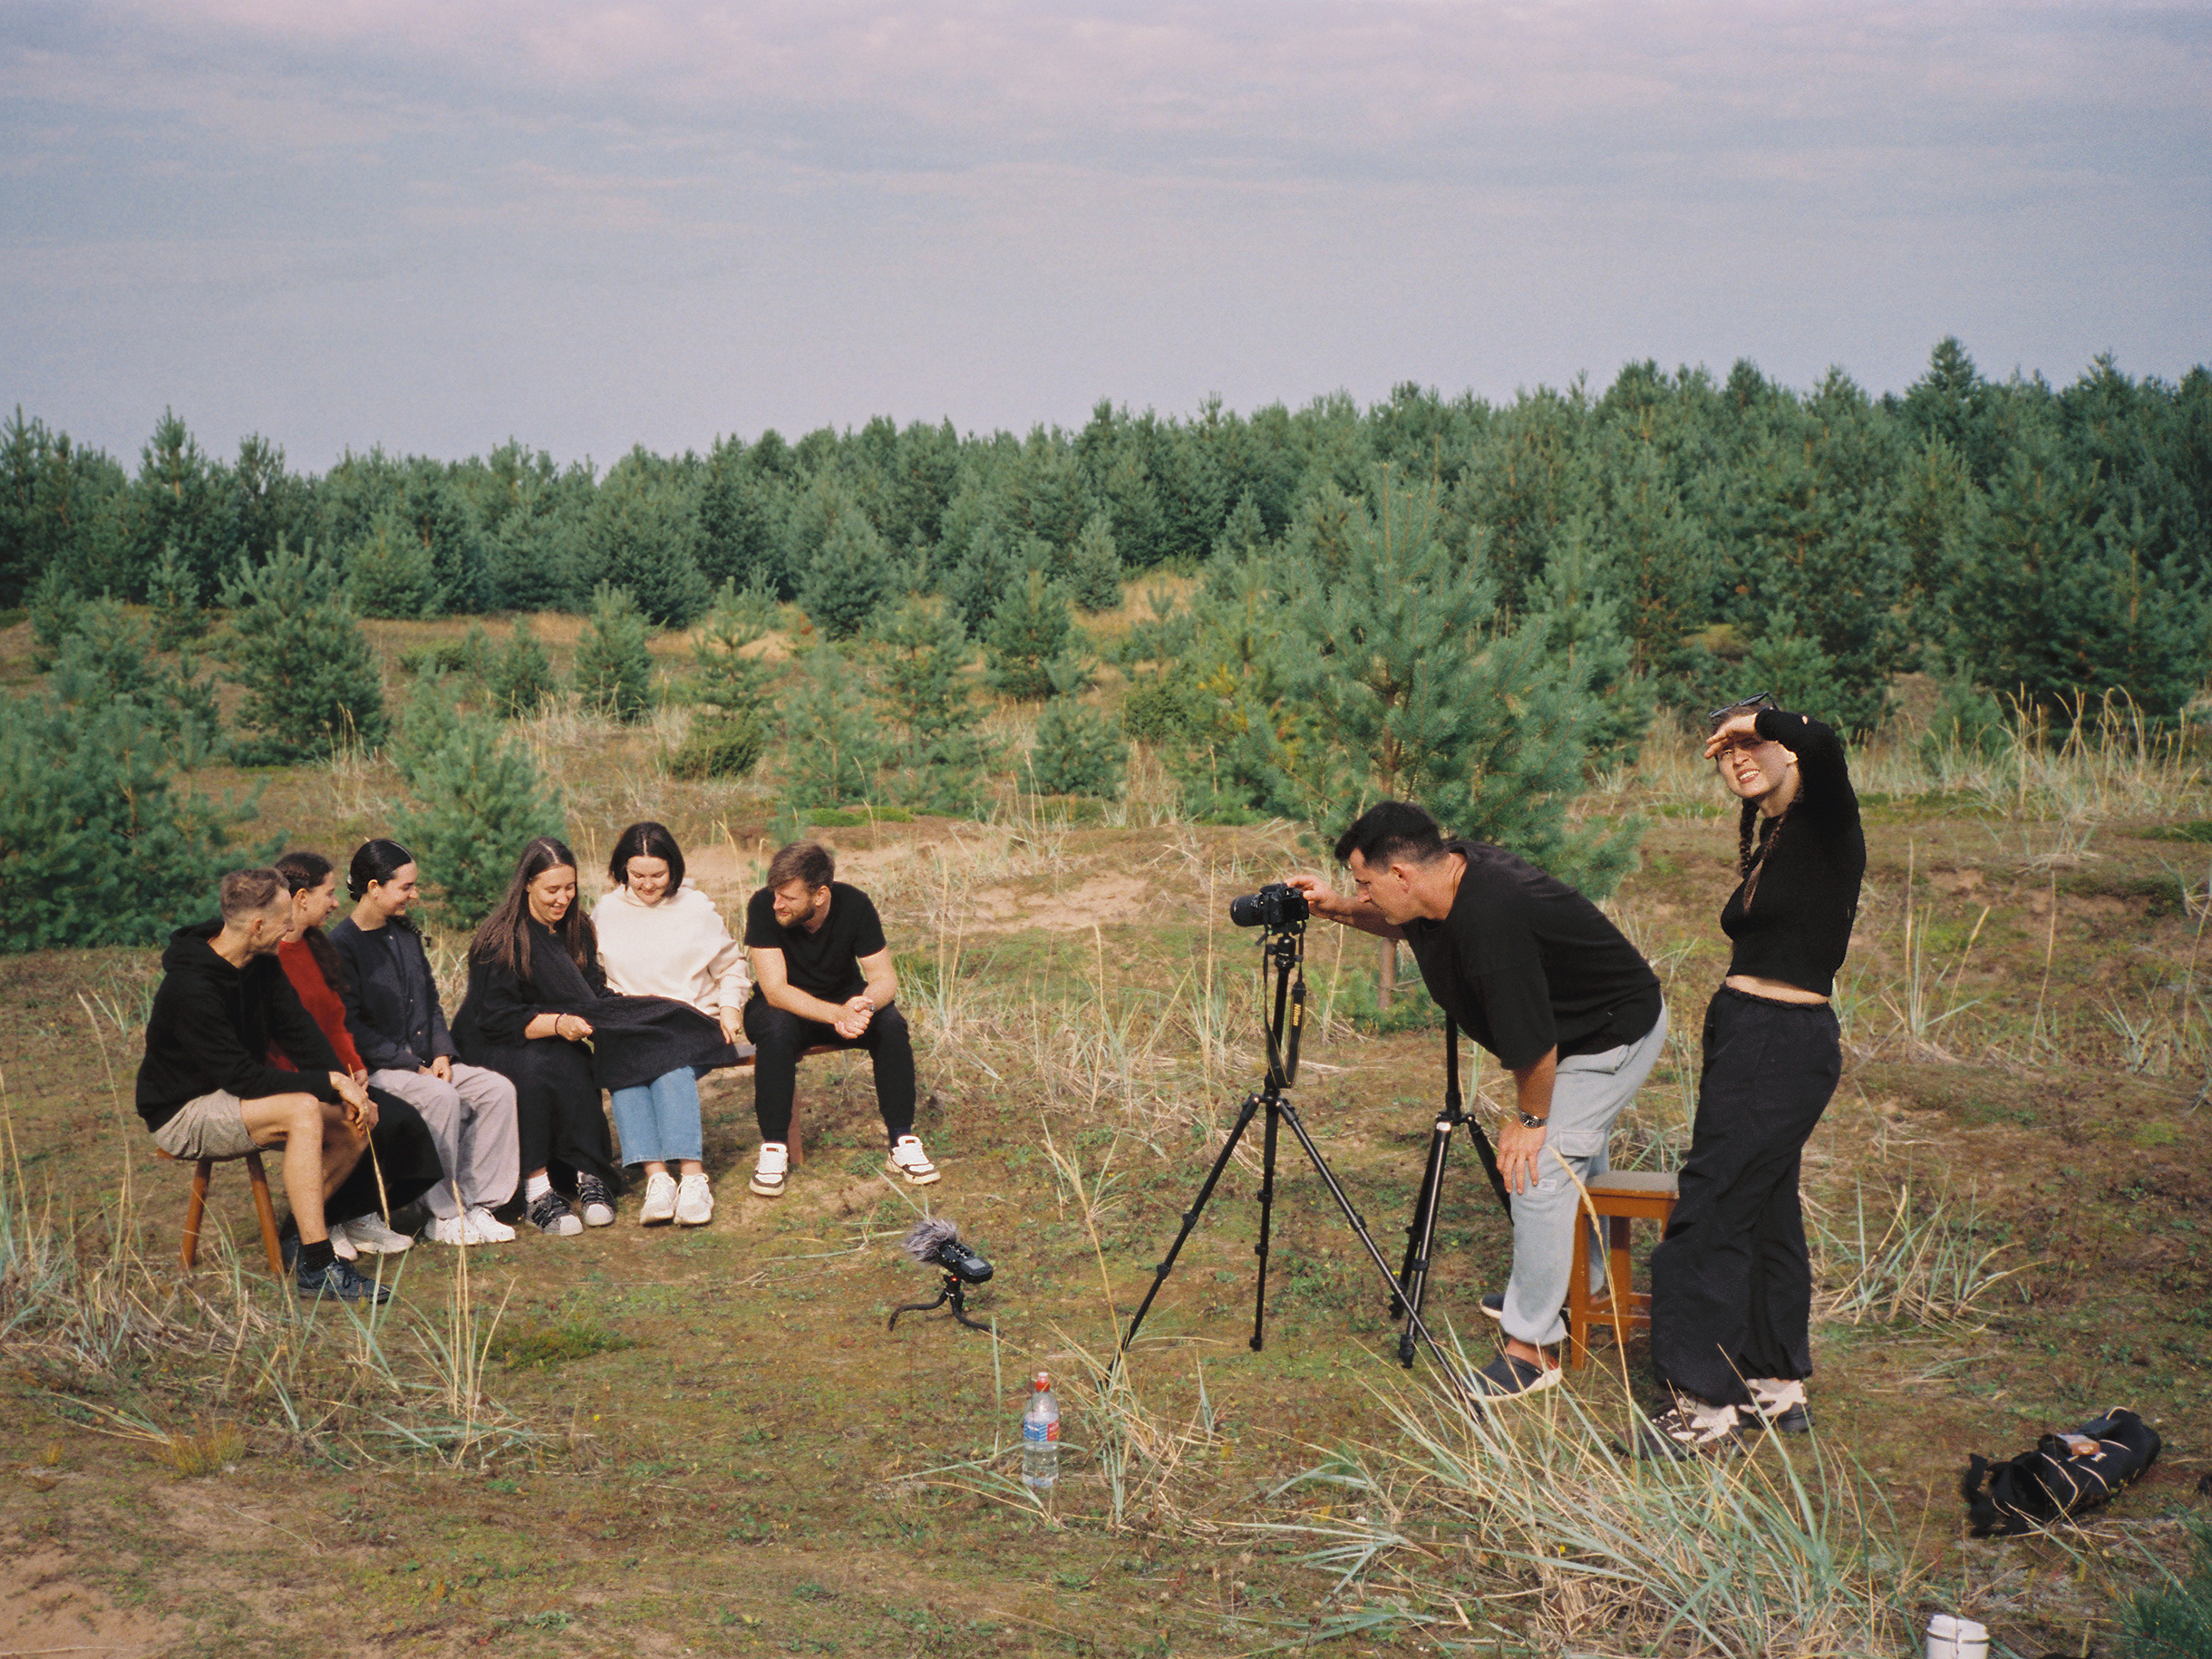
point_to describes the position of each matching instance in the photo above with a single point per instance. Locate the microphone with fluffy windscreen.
(935, 1242)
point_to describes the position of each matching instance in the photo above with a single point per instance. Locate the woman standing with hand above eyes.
(1732, 1282)
(538, 1011)
(659, 936)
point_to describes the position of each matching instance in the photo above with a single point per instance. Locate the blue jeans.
(659, 1122)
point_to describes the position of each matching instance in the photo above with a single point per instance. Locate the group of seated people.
(268, 1032)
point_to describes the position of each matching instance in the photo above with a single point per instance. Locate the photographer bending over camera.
(1533, 972)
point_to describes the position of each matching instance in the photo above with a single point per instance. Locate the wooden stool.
(746, 1064)
(259, 1178)
(1619, 1197)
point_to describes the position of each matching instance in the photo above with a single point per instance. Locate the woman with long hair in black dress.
(1731, 1281)
(538, 1011)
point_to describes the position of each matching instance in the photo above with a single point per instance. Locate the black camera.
(1278, 907)
(936, 1243)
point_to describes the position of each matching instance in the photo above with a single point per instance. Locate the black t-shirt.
(825, 964)
(1525, 964)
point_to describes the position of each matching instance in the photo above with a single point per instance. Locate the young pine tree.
(923, 652)
(479, 801)
(311, 680)
(1094, 566)
(847, 582)
(831, 744)
(1030, 630)
(1079, 751)
(1574, 603)
(173, 592)
(390, 571)
(518, 676)
(613, 673)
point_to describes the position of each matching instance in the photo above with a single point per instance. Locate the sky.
(340, 223)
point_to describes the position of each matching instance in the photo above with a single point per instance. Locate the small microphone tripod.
(955, 1291)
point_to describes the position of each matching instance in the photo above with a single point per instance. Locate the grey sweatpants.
(473, 1120)
(1590, 1092)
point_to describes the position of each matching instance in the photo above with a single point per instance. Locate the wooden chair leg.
(266, 1209)
(1616, 1276)
(1578, 1297)
(195, 1210)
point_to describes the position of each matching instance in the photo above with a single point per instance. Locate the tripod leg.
(1460, 1385)
(1266, 1218)
(1191, 1217)
(1421, 1238)
(959, 1297)
(919, 1307)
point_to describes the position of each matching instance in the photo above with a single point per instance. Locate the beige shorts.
(213, 1126)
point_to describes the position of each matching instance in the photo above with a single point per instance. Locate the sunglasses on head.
(1716, 718)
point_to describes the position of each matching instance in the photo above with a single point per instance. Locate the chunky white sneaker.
(1689, 1428)
(484, 1227)
(908, 1159)
(660, 1205)
(368, 1233)
(768, 1174)
(695, 1201)
(451, 1230)
(343, 1248)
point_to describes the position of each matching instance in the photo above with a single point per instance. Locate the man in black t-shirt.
(1532, 971)
(822, 974)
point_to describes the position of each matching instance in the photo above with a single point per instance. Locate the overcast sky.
(431, 226)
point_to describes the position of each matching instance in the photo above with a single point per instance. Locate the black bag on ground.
(2065, 1475)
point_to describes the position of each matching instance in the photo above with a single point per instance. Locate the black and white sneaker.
(549, 1213)
(595, 1200)
(1778, 1403)
(1494, 1307)
(1688, 1428)
(1509, 1376)
(339, 1280)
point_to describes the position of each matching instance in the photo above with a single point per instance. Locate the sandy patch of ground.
(44, 1610)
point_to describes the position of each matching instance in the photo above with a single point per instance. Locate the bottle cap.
(1044, 1382)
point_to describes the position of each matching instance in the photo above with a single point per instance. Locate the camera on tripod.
(1278, 908)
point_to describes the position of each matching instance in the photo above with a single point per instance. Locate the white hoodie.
(678, 948)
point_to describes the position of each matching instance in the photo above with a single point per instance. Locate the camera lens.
(1245, 910)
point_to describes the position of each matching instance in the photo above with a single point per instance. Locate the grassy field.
(707, 1442)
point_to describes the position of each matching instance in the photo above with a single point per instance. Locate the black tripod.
(1413, 1284)
(955, 1291)
(1283, 951)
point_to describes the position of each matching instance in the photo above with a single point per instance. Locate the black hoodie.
(213, 1025)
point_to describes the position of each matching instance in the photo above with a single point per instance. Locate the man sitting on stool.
(206, 1089)
(1532, 971)
(822, 975)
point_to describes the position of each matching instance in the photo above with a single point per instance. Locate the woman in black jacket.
(1732, 1282)
(538, 1011)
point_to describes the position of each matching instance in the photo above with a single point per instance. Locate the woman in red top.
(401, 1138)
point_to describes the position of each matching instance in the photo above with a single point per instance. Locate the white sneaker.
(451, 1230)
(775, 1164)
(484, 1227)
(368, 1233)
(343, 1248)
(908, 1159)
(695, 1201)
(660, 1205)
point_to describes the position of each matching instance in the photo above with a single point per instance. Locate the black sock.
(317, 1256)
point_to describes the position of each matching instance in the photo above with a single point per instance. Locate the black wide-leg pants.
(1732, 1282)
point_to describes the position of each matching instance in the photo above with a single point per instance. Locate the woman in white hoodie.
(659, 936)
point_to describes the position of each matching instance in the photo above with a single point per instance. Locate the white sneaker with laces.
(370, 1233)
(485, 1228)
(768, 1174)
(660, 1205)
(908, 1159)
(695, 1201)
(451, 1230)
(343, 1248)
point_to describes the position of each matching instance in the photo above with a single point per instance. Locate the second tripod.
(1283, 956)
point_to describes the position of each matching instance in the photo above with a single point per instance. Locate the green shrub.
(728, 674)
(2175, 1623)
(1165, 708)
(1079, 752)
(519, 677)
(848, 580)
(391, 572)
(111, 658)
(1030, 630)
(1967, 720)
(53, 604)
(719, 746)
(479, 800)
(1094, 566)
(311, 680)
(173, 591)
(98, 846)
(830, 745)
(614, 670)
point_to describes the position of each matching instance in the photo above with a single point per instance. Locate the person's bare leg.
(294, 1123)
(1520, 1350)
(653, 1165)
(691, 1167)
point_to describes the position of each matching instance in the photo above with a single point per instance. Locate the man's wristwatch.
(1528, 1122)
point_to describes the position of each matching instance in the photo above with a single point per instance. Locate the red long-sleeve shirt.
(322, 1001)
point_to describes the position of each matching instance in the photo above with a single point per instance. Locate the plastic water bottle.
(1041, 1435)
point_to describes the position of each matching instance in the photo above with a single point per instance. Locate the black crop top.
(1795, 925)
